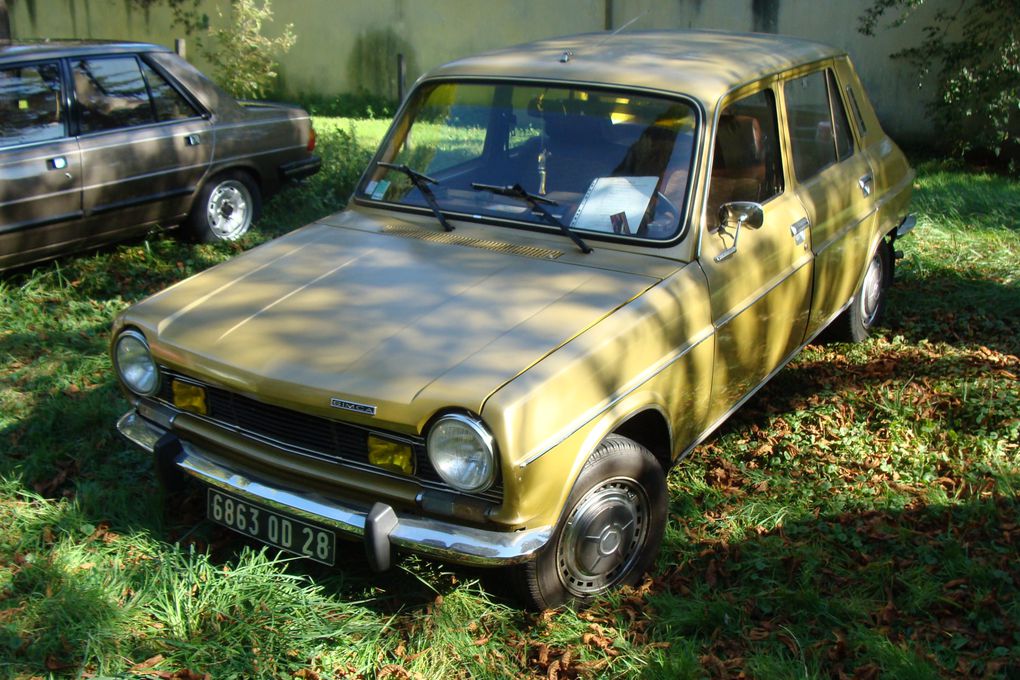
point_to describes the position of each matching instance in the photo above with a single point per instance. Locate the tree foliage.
(242, 57)
(972, 49)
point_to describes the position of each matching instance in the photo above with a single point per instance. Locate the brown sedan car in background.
(100, 141)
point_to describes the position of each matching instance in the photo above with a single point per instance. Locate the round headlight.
(463, 452)
(134, 363)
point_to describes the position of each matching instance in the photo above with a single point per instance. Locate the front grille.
(297, 433)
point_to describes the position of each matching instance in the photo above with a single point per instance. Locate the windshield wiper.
(536, 203)
(421, 183)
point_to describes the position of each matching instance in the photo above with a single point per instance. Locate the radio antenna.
(624, 27)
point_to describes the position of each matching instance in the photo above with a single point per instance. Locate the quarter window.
(819, 130)
(31, 104)
(746, 164)
(169, 103)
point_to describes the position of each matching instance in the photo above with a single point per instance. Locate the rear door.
(40, 165)
(835, 185)
(760, 279)
(145, 145)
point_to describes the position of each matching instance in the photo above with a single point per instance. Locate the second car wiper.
(519, 192)
(421, 183)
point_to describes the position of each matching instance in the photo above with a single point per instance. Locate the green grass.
(859, 516)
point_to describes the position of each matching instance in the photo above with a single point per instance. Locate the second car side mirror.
(738, 214)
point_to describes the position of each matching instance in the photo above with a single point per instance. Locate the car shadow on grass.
(919, 591)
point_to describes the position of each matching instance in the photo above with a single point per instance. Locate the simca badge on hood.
(367, 409)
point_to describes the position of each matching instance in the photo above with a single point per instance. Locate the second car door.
(760, 279)
(145, 147)
(40, 167)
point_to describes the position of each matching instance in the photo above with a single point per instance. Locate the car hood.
(406, 325)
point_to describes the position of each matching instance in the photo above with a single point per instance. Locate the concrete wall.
(346, 45)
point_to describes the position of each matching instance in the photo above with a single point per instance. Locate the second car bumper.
(307, 167)
(379, 525)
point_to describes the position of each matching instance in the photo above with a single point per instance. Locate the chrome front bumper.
(379, 526)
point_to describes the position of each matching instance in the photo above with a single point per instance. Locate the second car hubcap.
(230, 210)
(603, 536)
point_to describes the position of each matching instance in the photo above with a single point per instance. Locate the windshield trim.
(689, 213)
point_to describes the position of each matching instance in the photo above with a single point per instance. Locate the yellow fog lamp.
(390, 455)
(188, 397)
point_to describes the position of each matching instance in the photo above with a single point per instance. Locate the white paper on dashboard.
(608, 196)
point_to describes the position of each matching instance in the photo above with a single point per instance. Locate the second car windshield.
(610, 162)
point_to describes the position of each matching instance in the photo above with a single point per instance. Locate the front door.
(760, 278)
(40, 165)
(144, 146)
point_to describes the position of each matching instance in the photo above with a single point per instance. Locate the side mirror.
(738, 214)
(742, 213)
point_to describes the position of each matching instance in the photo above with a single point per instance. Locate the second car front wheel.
(609, 532)
(225, 208)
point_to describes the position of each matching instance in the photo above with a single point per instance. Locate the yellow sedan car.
(567, 264)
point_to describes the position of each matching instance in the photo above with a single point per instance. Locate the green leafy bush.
(973, 50)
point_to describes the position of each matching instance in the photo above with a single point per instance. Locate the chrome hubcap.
(229, 210)
(871, 291)
(603, 536)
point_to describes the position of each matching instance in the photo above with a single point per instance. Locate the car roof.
(11, 50)
(702, 64)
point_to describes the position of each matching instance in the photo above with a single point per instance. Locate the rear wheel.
(225, 208)
(857, 320)
(609, 532)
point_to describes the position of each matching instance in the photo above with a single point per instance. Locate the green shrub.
(973, 48)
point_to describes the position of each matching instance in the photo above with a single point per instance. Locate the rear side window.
(31, 104)
(111, 94)
(819, 129)
(746, 164)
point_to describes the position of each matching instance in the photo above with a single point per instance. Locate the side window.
(31, 107)
(840, 124)
(746, 163)
(819, 129)
(852, 96)
(111, 94)
(169, 103)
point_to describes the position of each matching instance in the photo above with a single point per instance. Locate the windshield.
(613, 163)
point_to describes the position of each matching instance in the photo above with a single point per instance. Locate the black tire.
(225, 208)
(857, 320)
(622, 492)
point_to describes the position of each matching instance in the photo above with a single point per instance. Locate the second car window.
(111, 94)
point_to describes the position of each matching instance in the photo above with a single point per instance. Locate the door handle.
(865, 183)
(192, 140)
(57, 163)
(798, 228)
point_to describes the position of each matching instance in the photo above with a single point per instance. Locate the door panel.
(836, 187)
(760, 294)
(144, 148)
(40, 167)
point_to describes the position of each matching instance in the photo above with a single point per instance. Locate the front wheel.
(609, 532)
(857, 320)
(225, 208)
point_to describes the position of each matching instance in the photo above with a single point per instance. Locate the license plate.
(278, 530)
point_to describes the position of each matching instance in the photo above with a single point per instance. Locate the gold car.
(566, 265)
